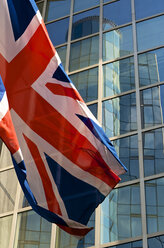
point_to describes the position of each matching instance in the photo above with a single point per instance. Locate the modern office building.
(113, 51)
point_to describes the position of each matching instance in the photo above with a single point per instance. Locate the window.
(120, 207)
(81, 5)
(119, 115)
(155, 205)
(118, 77)
(86, 83)
(117, 43)
(84, 53)
(54, 29)
(153, 152)
(142, 9)
(127, 150)
(56, 9)
(118, 12)
(150, 33)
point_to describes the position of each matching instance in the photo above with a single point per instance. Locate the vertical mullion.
(53, 235)
(100, 87)
(140, 144)
(14, 221)
(44, 9)
(100, 77)
(69, 38)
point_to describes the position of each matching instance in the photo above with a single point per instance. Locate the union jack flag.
(66, 165)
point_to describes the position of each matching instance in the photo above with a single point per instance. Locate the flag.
(64, 162)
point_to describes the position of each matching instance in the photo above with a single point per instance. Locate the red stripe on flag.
(80, 232)
(64, 91)
(7, 133)
(52, 202)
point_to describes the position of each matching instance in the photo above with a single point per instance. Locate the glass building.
(113, 51)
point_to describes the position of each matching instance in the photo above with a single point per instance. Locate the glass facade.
(113, 51)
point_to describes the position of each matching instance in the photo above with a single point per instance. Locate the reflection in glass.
(32, 231)
(54, 30)
(121, 214)
(152, 106)
(155, 205)
(151, 66)
(62, 54)
(86, 83)
(117, 43)
(119, 115)
(150, 33)
(5, 231)
(65, 240)
(153, 145)
(85, 4)
(157, 241)
(142, 9)
(135, 244)
(118, 12)
(118, 77)
(8, 186)
(127, 150)
(85, 23)
(56, 9)
(84, 53)
(93, 109)
(5, 156)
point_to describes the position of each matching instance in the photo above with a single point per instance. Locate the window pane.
(5, 156)
(153, 152)
(32, 230)
(151, 66)
(62, 54)
(5, 231)
(156, 242)
(117, 43)
(85, 23)
(54, 29)
(127, 150)
(142, 9)
(120, 207)
(56, 9)
(86, 83)
(136, 244)
(93, 109)
(118, 12)
(84, 53)
(23, 201)
(155, 205)
(7, 190)
(85, 4)
(118, 77)
(150, 33)
(65, 240)
(152, 106)
(119, 115)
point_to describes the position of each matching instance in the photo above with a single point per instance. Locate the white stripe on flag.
(18, 156)
(9, 48)
(4, 106)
